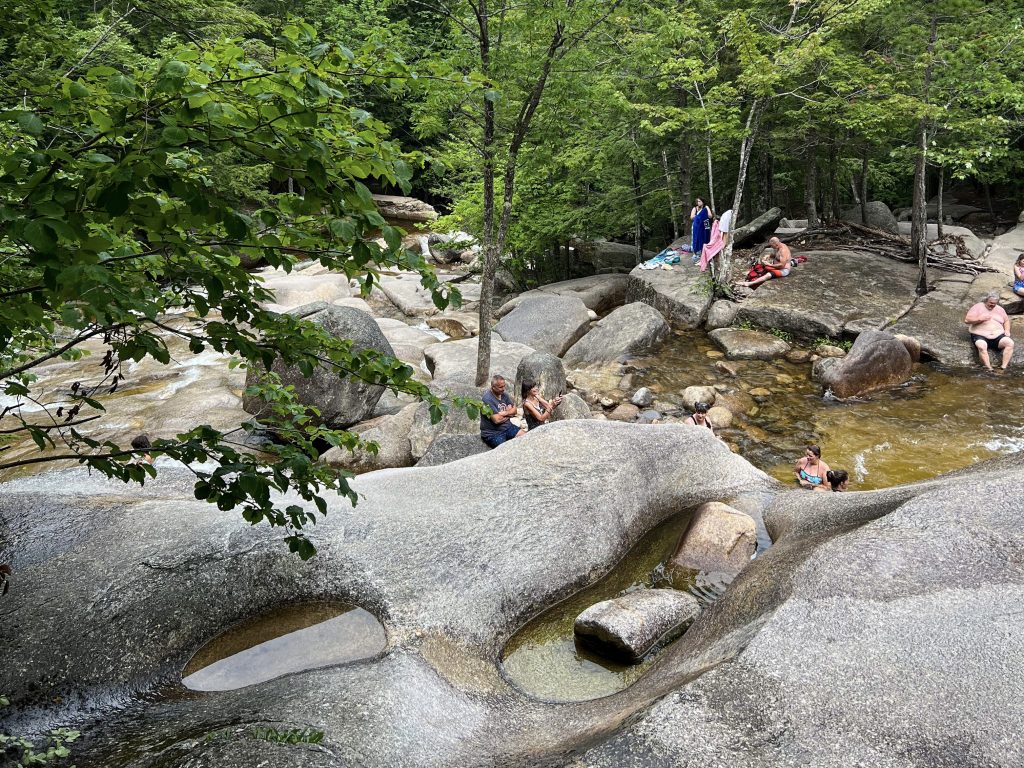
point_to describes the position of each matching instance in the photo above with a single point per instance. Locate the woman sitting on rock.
(838, 479)
(811, 471)
(1018, 276)
(699, 417)
(536, 409)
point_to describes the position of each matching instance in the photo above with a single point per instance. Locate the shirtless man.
(777, 263)
(990, 329)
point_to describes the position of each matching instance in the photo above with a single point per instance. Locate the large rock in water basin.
(629, 331)
(543, 369)
(720, 539)
(630, 625)
(546, 323)
(390, 434)
(342, 400)
(876, 361)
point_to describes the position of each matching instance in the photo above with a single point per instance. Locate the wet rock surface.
(456, 360)
(600, 293)
(631, 625)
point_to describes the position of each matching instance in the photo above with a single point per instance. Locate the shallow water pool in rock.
(291, 639)
(545, 660)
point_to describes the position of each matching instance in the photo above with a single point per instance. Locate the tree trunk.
(638, 207)
(833, 182)
(722, 265)
(673, 207)
(707, 144)
(864, 188)
(685, 172)
(491, 252)
(919, 216)
(811, 186)
(938, 210)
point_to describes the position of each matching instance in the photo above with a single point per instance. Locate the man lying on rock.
(775, 264)
(990, 329)
(498, 427)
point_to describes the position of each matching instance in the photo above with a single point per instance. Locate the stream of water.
(938, 422)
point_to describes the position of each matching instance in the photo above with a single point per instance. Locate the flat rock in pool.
(740, 344)
(630, 625)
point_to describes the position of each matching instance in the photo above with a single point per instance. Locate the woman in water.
(1018, 276)
(838, 479)
(536, 409)
(811, 471)
(699, 417)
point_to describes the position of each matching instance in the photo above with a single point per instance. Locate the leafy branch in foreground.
(112, 226)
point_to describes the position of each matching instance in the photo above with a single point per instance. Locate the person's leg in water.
(982, 346)
(1006, 344)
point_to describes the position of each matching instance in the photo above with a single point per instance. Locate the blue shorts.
(508, 431)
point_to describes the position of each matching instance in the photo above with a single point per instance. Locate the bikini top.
(812, 479)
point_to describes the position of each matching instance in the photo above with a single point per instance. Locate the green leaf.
(30, 123)
(174, 135)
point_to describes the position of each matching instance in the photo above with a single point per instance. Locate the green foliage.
(115, 219)
(844, 344)
(289, 736)
(22, 752)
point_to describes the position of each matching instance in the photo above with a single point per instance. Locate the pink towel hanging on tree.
(714, 245)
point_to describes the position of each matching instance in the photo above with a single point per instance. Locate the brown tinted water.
(936, 423)
(291, 639)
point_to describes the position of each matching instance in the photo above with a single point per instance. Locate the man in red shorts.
(776, 265)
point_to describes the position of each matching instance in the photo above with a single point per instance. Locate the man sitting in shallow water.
(990, 329)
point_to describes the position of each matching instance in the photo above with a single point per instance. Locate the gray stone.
(681, 295)
(974, 244)
(624, 412)
(831, 292)
(720, 539)
(447, 448)
(543, 369)
(720, 417)
(546, 323)
(642, 398)
(631, 625)
(403, 211)
(629, 331)
(390, 433)
(457, 325)
(649, 416)
(572, 407)
(455, 422)
(828, 350)
(698, 394)
(605, 256)
(121, 586)
(758, 230)
(600, 293)
(453, 360)
(739, 344)
(913, 667)
(299, 288)
(721, 315)
(342, 400)
(406, 292)
(878, 216)
(876, 361)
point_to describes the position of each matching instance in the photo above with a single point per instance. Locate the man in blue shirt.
(497, 428)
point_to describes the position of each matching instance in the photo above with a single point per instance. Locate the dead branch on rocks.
(848, 236)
